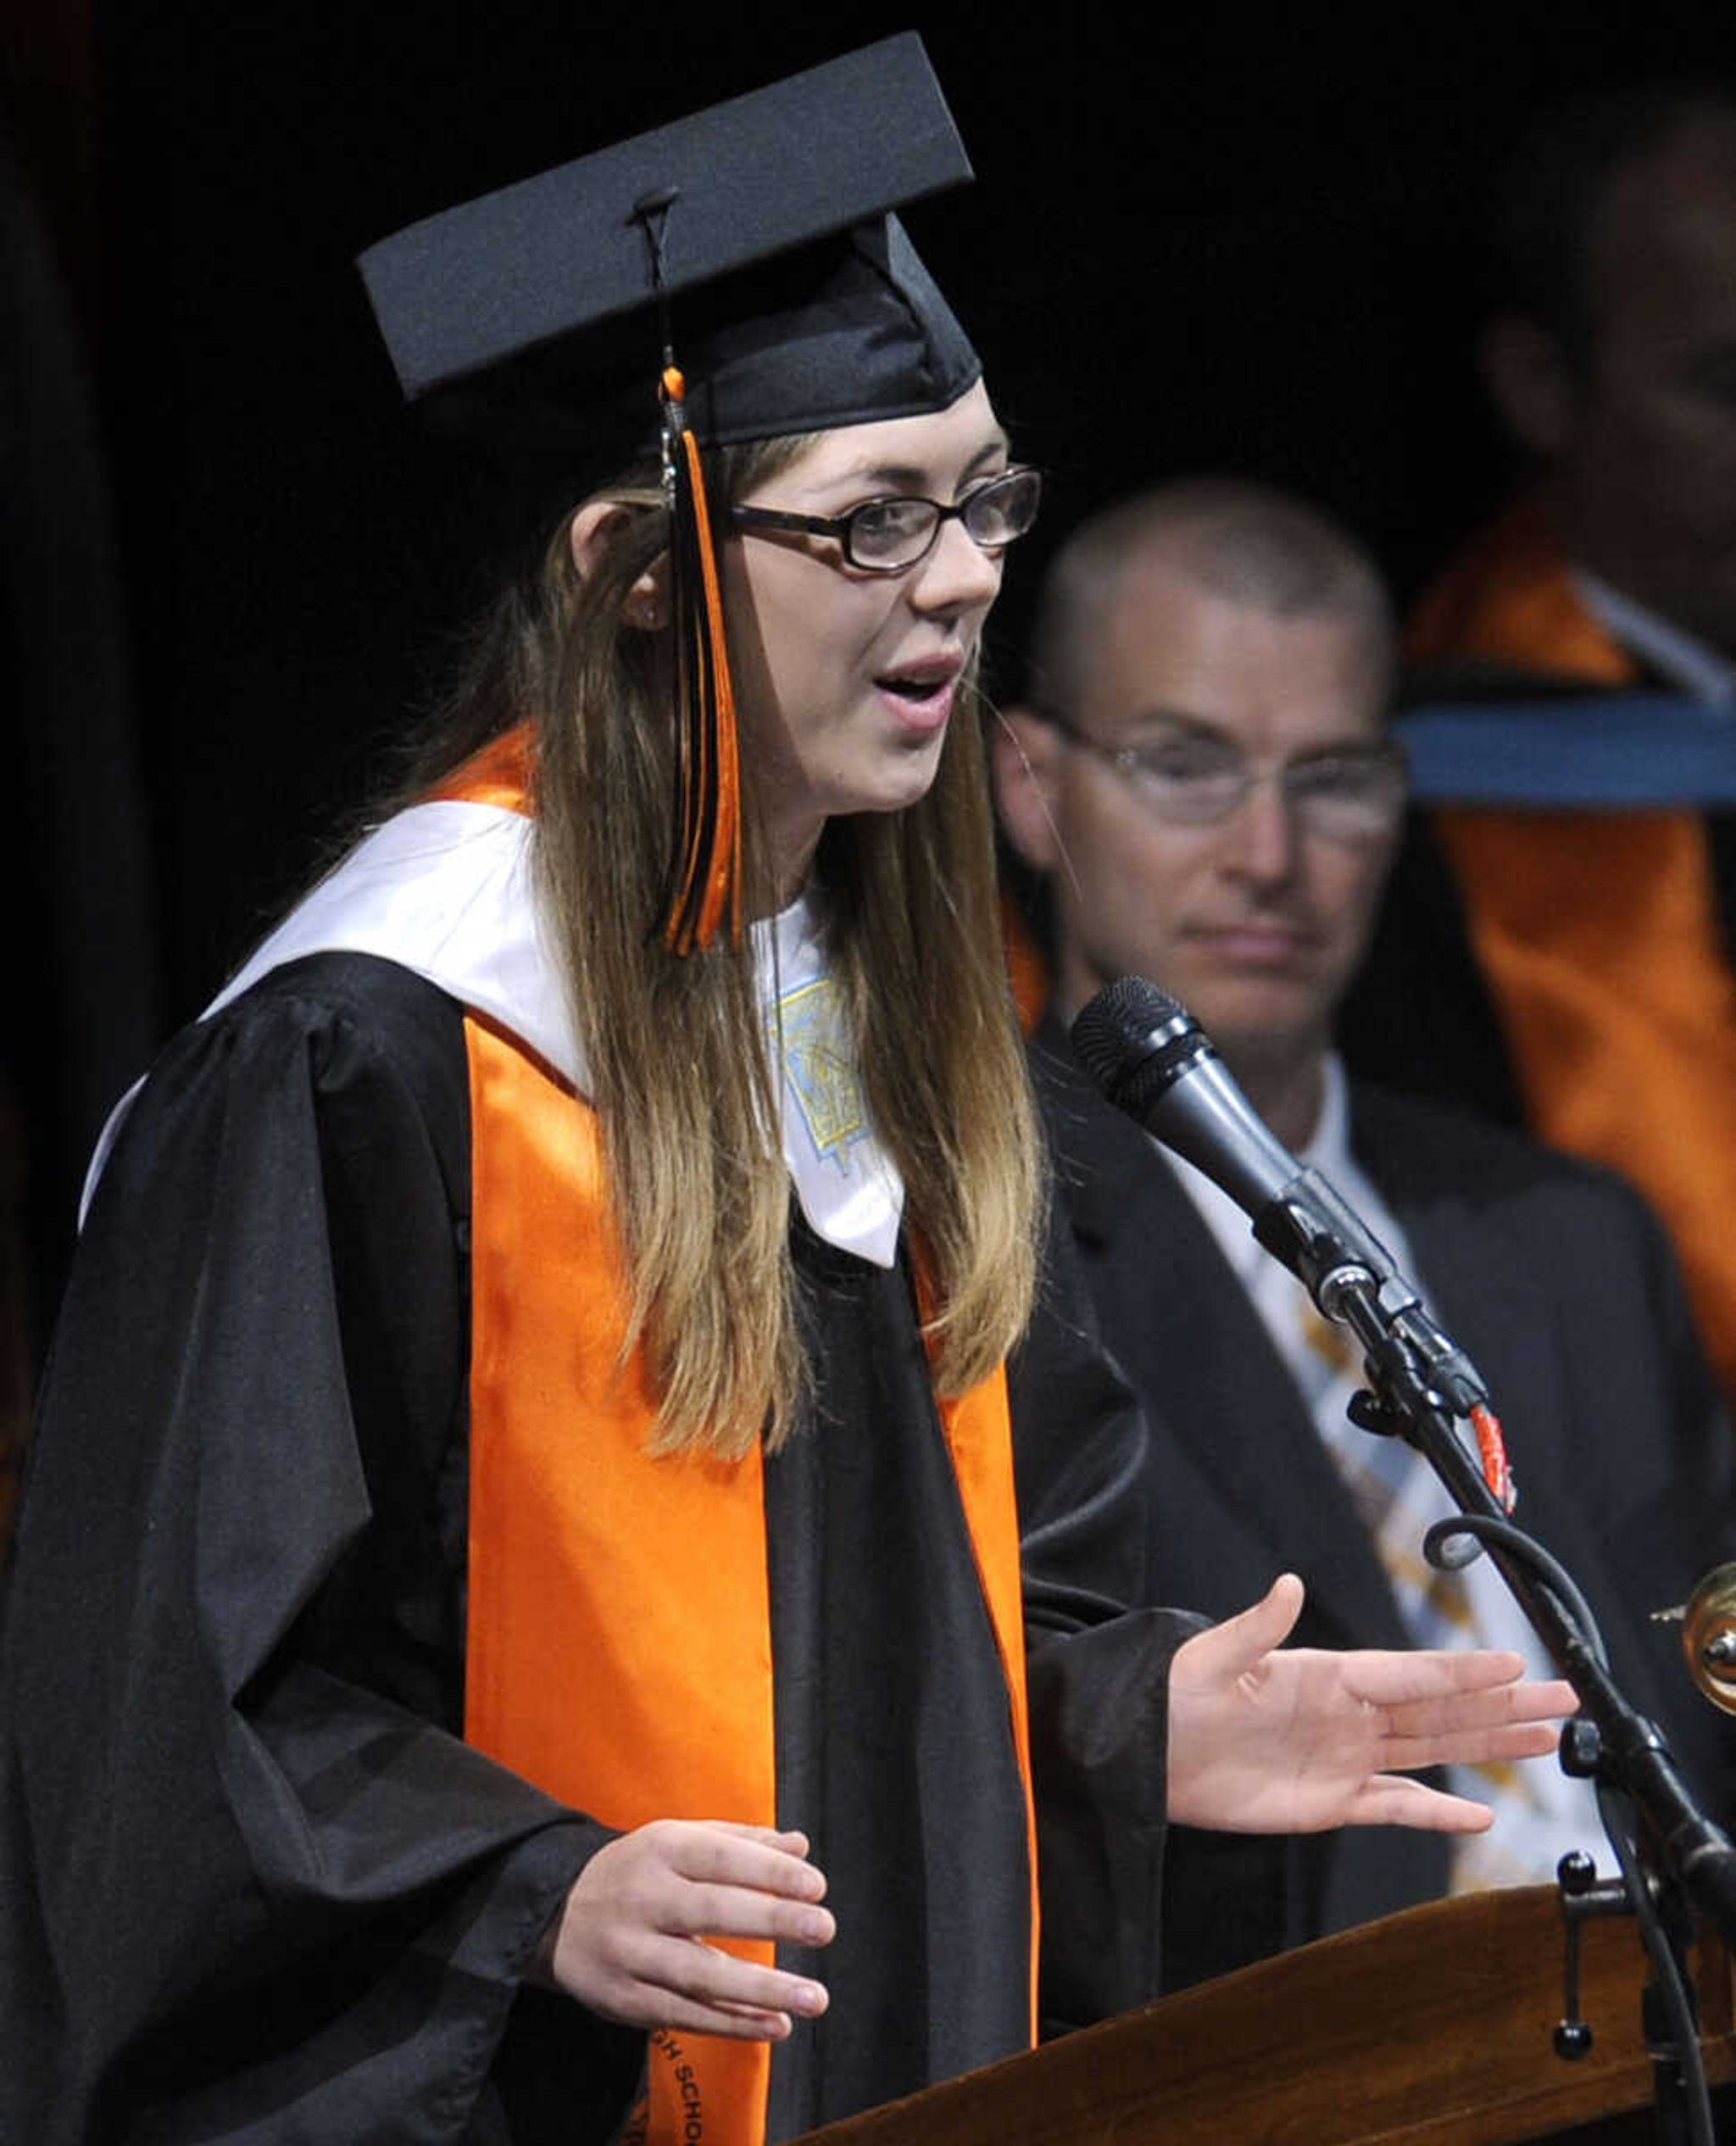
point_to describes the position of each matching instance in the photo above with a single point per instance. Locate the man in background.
(1203, 781)
(1558, 949)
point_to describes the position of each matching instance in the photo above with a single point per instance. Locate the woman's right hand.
(631, 1941)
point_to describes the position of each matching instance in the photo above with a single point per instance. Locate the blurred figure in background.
(1557, 948)
(1203, 778)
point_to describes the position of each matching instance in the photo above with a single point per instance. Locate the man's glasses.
(888, 535)
(1349, 793)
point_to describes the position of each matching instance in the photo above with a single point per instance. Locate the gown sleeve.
(256, 1885)
(1098, 1661)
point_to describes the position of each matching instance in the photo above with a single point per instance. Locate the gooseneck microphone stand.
(1152, 1059)
(1677, 1856)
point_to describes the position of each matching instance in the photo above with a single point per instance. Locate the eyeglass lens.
(1336, 794)
(897, 532)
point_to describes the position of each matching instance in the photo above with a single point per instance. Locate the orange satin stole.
(619, 1648)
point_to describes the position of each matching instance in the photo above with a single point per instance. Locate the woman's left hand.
(1264, 1741)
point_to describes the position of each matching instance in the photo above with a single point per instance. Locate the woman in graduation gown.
(526, 1480)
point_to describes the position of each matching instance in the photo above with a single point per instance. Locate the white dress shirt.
(1540, 1813)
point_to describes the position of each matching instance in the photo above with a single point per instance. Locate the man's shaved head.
(1245, 542)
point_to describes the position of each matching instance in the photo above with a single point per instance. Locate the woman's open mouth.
(921, 698)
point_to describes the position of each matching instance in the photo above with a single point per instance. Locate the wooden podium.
(1432, 2028)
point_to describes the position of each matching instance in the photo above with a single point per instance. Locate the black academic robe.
(256, 1884)
(1560, 1283)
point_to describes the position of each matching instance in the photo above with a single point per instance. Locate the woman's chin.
(906, 781)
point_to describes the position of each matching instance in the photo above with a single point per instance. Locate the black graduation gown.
(257, 1887)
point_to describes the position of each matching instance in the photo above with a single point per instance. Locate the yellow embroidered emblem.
(820, 1065)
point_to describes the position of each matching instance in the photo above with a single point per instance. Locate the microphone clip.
(1355, 1282)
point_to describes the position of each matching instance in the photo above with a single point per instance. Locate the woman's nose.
(957, 573)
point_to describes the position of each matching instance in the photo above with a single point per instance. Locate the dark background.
(1236, 237)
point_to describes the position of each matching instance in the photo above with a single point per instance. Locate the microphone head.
(1136, 1041)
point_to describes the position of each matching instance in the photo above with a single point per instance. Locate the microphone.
(1153, 1060)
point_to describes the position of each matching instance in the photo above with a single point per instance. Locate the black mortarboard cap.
(738, 275)
(795, 301)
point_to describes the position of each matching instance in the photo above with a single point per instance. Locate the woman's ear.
(646, 604)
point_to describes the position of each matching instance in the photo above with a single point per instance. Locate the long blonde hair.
(681, 1078)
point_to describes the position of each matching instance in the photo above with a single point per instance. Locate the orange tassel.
(706, 875)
